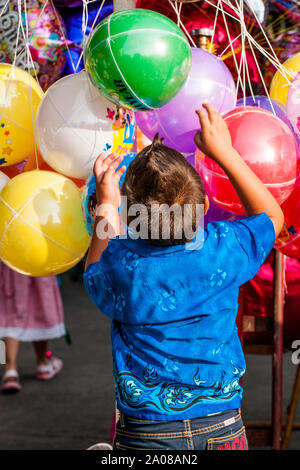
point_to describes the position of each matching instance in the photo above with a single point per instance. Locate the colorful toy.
(281, 83)
(46, 34)
(89, 201)
(266, 144)
(209, 81)
(293, 104)
(75, 123)
(138, 58)
(42, 232)
(20, 96)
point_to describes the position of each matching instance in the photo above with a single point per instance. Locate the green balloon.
(138, 58)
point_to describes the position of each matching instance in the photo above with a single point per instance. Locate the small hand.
(107, 179)
(214, 138)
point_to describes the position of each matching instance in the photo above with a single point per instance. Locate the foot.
(10, 382)
(50, 369)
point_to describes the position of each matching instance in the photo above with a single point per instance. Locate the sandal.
(49, 371)
(10, 382)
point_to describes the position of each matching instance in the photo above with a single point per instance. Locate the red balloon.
(258, 302)
(266, 144)
(288, 241)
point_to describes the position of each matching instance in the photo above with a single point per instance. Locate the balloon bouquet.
(58, 135)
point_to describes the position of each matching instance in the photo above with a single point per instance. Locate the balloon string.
(239, 81)
(28, 54)
(214, 27)
(30, 63)
(63, 33)
(180, 23)
(85, 40)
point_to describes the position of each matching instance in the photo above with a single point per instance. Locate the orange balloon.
(37, 161)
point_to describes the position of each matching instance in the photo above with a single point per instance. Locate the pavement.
(75, 410)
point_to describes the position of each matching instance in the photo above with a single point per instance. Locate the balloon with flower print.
(88, 198)
(293, 104)
(75, 123)
(20, 95)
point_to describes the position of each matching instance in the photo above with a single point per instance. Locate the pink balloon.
(209, 81)
(293, 104)
(266, 144)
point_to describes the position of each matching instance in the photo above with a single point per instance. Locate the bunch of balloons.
(58, 135)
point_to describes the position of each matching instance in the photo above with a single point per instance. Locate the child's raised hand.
(214, 139)
(107, 178)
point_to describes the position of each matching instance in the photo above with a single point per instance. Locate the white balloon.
(74, 124)
(3, 180)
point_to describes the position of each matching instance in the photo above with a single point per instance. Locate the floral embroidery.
(167, 301)
(130, 261)
(120, 303)
(170, 397)
(216, 279)
(223, 230)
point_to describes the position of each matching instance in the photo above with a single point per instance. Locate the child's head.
(160, 178)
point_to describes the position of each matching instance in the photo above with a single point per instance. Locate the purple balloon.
(217, 214)
(263, 102)
(209, 81)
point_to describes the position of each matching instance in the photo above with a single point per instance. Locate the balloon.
(216, 214)
(73, 20)
(41, 226)
(146, 58)
(209, 81)
(89, 201)
(3, 180)
(288, 241)
(269, 148)
(46, 39)
(280, 84)
(36, 162)
(258, 300)
(263, 102)
(293, 104)
(20, 95)
(75, 123)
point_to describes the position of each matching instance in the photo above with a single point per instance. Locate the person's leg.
(12, 350)
(40, 348)
(10, 380)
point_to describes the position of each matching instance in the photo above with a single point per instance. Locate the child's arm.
(214, 140)
(108, 198)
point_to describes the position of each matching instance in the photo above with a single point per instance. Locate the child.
(176, 352)
(30, 310)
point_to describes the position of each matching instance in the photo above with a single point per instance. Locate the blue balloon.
(89, 200)
(73, 22)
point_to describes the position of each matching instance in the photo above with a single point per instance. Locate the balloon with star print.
(20, 95)
(75, 123)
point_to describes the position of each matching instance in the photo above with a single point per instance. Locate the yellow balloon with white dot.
(42, 231)
(20, 95)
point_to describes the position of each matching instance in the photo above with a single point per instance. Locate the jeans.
(223, 431)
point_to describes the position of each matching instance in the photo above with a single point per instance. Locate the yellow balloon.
(20, 95)
(42, 231)
(280, 85)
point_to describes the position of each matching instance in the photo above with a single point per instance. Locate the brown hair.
(161, 175)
